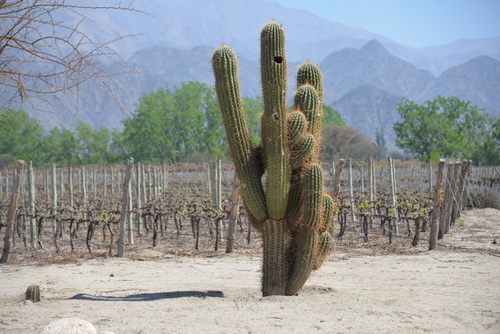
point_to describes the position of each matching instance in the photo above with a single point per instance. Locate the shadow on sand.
(144, 297)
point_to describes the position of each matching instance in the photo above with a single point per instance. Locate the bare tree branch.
(44, 54)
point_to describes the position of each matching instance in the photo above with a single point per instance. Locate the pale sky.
(416, 23)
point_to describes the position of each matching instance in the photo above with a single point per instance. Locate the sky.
(416, 23)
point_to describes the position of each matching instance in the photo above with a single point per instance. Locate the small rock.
(28, 302)
(141, 259)
(70, 326)
(112, 275)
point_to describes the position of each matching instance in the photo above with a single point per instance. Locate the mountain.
(364, 85)
(477, 80)
(371, 65)
(366, 75)
(190, 23)
(463, 50)
(368, 108)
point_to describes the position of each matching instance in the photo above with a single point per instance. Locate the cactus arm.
(274, 120)
(328, 212)
(304, 262)
(302, 151)
(313, 196)
(224, 63)
(297, 125)
(325, 247)
(308, 236)
(310, 74)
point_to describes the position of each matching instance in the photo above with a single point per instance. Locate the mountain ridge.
(182, 35)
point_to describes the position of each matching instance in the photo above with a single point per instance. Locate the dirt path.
(451, 290)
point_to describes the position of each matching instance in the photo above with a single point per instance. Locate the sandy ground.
(455, 289)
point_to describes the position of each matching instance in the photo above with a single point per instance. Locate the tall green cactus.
(291, 208)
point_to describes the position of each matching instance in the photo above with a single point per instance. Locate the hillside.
(363, 71)
(371, 65)
(368, 108)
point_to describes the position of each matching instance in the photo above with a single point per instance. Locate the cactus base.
(276, 242)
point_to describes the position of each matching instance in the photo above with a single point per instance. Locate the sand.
(454, 289)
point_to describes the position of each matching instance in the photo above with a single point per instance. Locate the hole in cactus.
(278, 59)
(276, 117)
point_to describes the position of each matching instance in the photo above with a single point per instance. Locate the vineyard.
(383, 206)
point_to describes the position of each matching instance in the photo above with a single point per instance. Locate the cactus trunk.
(291, 210)
(276, 243)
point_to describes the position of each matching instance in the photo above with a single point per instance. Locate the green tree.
(92, 144)
(253, 111)
(21, 136)
(489, 152)
(443, 127)
(347, 142)
(380, 142)
(61, 146)
(331, 116)
(172, 126)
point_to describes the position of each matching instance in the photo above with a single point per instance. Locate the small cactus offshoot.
(33, 293)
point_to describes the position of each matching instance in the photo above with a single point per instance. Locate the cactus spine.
(293, 212)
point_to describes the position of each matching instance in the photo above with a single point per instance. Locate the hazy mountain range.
(366, 75)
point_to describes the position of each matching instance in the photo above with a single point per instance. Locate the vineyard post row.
(150, 180)
(147, 182)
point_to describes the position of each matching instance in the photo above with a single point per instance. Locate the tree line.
(169, 125)
(183, 125)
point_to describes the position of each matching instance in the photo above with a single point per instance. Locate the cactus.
(291, 209)
(33, 293)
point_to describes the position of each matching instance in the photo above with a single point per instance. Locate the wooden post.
(47, 189)
(393, 196)
(156, 182)
(431, 186)
(457, 172)
(61, 185)
(94, 181)
(123, 215)
(336, 190)
(149, 183)
(84, 190)
(143, 185)
(351, 193)
(70, 185)
(445, 214)
(466, 178)
(12, 214)
(130, 224)
(435, 217)
(210, 181)
(371, 188)
(138, 198)
(105, 182)
(362, 171)
(112, 181)
(54, 199)
(165, 179)
(218, 170)
(235, 199)
(32, 189)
